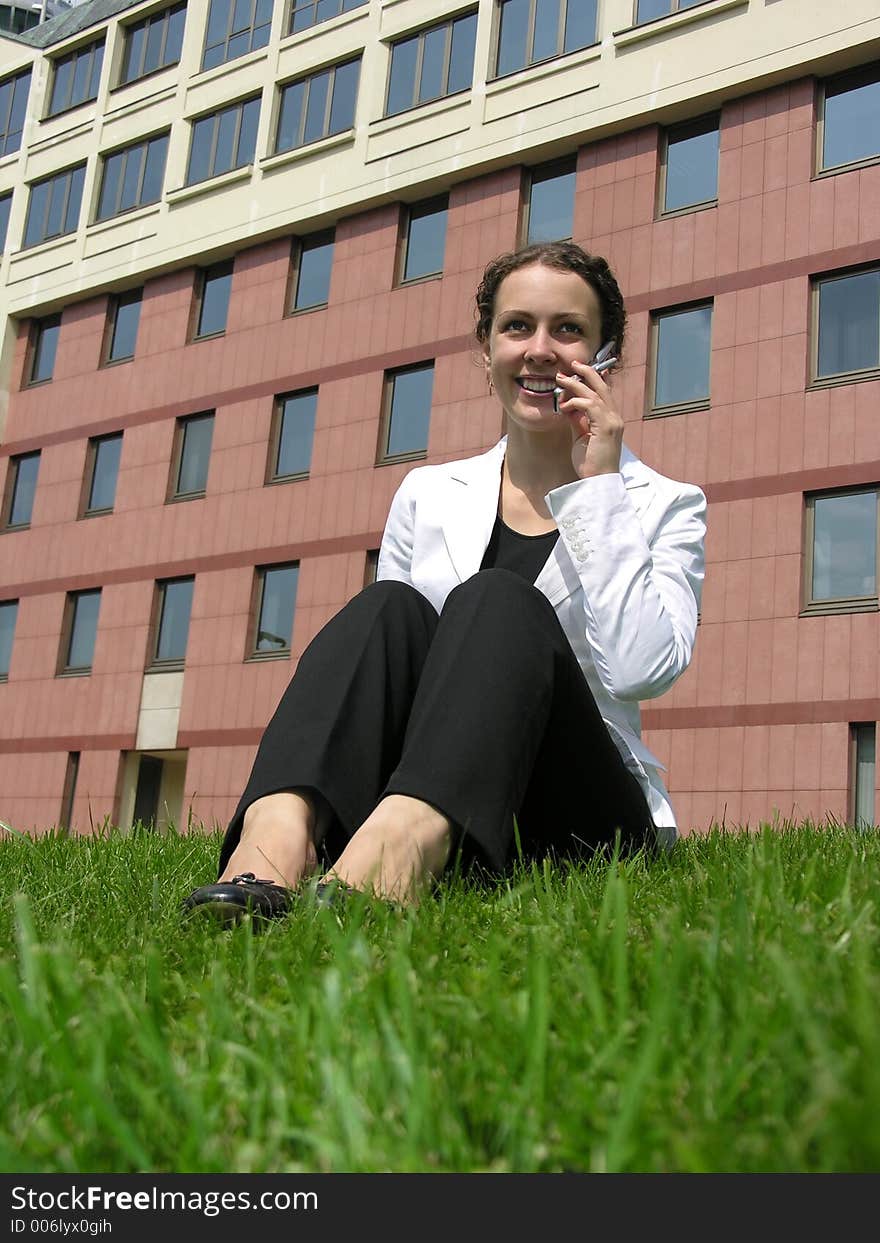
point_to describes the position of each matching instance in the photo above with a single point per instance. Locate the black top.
(521, 554)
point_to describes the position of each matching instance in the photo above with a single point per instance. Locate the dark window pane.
(845, 546)
(36, 215)
(5, 205)
(81, 77)
(433, 57)
(77, 178)
(461, 59)
(683, 352)
(154, 45)
(580, 24)
(174, 38)
(344, 102)
(200, 150)
(227, 124)
(410, 410)
(316, 107)
(61, 83)
(154, 173)
(125, 327)
(216, 287)
(45, 346)
(105, 472)
(852, 125)
(195, 455)
(24, 487)
(13, 107)
(107, 203)
(849, 324)
(426, 243)
(691, 169)
(545, 42)
(247, 134)
(313, 282)
(303, 15)
(97, 63)
(131, 178)
(296, 434)
(512, 37)
(238, 45)
(58, 191)
(174, 622)
(551, 207)
(649, 9)
(242, 13)
(8, 617)
(290, 116)
(401, 86)
(132, 66)
(83, 629)
(276, 614)
(218, 23)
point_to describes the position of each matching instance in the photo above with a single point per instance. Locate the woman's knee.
(499, 588)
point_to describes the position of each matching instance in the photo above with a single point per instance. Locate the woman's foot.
(399, 850)
(277, 841)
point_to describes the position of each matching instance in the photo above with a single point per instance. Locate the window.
(21, 484)
(311, 285)
(102, 472)
(13, 108)
(5, 207)
(408, 412)
(223, 140)
(689, 166)
(80, 631)
(305, 13)
(75, 77)
(173, 607)
(534, 30)
(53, 206)
(371, 566)
(863, 773)
(125, 315)
(648, 10)
(318, 106)
(433, 63)
(44, 345)
(8, 618)
(153, 43)
(292, 435)
(276, 599)
(841, 551)
(215, 286)
(849, 127)
(424, 240)
(235, 27)
(68, 793)
(132, 177)
(682, 342)
(848, 325)
(550, 210)
(192, 453)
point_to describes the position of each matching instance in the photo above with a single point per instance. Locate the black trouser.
(483, 713)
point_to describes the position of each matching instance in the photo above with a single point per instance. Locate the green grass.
(711, 1010)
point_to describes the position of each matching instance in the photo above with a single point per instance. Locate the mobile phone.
(603, 361)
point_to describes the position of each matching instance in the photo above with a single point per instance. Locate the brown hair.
(565, 257)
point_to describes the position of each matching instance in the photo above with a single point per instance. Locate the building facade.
(240, 247)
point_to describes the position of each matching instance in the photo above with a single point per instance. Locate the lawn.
(713, 1010)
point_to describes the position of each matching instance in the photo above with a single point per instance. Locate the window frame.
(233, 34)
(550, 169)
(215, 115)
(256, 614)
(275, 430)
(173, 494)
(686, 129)
(142, 145)
(409, 212)
(5, 198)
(814, 380)
(10, 489)
(309, 241)
(5, 131)
(495, 48)
(199, 298)
(422, 34)
(289, 31)
(675, 8)
(4, 673)
(839, 604)
(127, 30)
(68, 790)
(864, 75)
(117, 300)
(857, 730)
(35, 339)
(171, 664)
(52, 178)
(71, 603)
(307, 79)
(652, 410)
(72, 55)
(92, 450)
(383, 457)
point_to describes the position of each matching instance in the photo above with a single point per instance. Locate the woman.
(526, 600)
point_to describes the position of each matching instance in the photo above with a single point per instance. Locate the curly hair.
(565, 257)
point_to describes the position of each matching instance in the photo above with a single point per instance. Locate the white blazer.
(625, 577)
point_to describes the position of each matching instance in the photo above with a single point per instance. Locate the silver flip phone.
(604, 360)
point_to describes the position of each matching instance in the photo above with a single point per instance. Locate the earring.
(490, 384)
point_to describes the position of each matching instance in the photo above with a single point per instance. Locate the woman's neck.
(537, 462)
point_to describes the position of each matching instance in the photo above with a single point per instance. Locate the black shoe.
(229, 901)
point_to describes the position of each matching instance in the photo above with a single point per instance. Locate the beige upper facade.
(664, 70)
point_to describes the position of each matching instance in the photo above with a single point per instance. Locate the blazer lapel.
(471, 509)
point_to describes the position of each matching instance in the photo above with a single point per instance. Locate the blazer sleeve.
(640, 598)
(396, 549)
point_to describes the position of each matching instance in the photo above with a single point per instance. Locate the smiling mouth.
(537, 388)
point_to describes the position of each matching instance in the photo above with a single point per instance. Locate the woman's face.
(543, 320)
